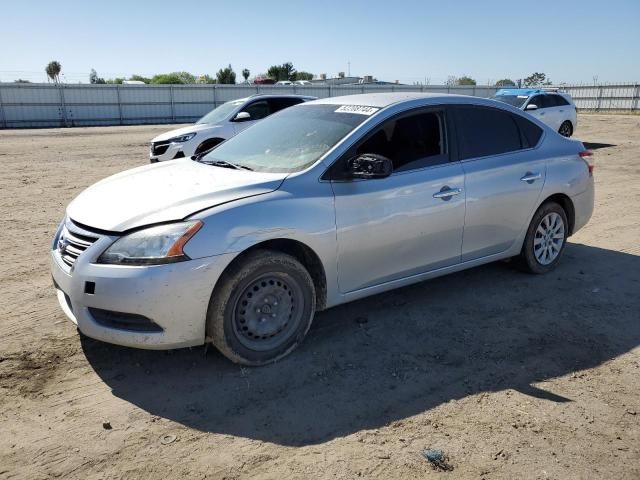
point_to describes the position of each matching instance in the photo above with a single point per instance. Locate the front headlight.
(182, 138)
(152, 246)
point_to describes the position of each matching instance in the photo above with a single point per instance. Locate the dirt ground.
(512, 375)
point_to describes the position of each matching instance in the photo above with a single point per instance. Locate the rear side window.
(278, 104)
(531, 133)
(560, 100)
(484, 131)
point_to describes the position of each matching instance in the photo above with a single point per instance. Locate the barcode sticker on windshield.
(359, 109)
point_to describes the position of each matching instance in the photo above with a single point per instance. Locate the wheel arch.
(300, 251)
(567, 204)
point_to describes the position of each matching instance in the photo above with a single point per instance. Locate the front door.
(405, 224)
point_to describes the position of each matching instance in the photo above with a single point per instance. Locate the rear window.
(484, 131)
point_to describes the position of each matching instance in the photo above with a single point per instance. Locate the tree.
(53, 70)
(226, 75)
(505, 82)
(536, 79)
(205, 79)
(466, 80)
(282, 72)
(245, 75)
(452, 81)
(117, 80)
(94, 78)
(304, 76)
(140, 78)
(173, 78)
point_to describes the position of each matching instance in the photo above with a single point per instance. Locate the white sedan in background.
(220, 124)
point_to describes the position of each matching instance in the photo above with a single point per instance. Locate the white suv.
(554, 108)
(218, 125)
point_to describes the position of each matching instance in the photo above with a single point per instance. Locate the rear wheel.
(545, 240)
(566, 129)
(262, 308)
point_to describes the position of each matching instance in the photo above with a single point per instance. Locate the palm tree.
(245, 74)
(53, 70)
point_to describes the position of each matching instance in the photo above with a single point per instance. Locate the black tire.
(262, 308)
(529, 260)
(566, 129)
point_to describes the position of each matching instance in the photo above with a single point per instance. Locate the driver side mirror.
(369, 165)
(531, 106)
(242, 117)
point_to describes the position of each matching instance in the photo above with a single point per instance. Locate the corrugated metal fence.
(68, 105)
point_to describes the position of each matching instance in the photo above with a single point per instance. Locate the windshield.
(219, 114)
(290, 140)
(515, 100)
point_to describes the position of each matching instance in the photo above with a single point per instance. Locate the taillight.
(587, 155)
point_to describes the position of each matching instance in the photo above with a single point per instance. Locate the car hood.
(164, 192)
(198, 127)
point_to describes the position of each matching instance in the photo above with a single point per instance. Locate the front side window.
(221, 113)
(411, 142)
(484, 131)
(258, 110)
(290, 140)
(539, 101)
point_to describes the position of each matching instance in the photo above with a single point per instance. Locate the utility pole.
(348, 68)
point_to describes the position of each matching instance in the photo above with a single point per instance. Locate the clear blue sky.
(401, 40)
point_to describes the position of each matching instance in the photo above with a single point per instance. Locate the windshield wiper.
(223, 164)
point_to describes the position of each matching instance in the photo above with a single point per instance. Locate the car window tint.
(410, 142)
(538, 101)
(530, 131)
(277, 104)
(258, 110)
(484, 131)
(560, 100)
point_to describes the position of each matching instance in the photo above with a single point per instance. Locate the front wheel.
(566, 129)
(262, 308)
(545, 240)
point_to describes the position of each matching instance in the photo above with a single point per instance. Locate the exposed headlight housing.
(152, 246)
(182, 138)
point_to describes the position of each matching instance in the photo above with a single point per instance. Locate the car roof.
(528, 91)
(386, 99)
(272, 95)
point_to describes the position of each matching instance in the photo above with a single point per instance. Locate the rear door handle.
(531, 177)
(446, 193)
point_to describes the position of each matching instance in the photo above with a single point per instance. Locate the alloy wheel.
(549, 238)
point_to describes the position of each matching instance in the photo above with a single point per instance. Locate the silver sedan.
(317, 205)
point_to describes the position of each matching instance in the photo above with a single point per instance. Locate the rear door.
(504, 175)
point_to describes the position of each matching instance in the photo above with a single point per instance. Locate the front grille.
(71, 244)
(158, 148)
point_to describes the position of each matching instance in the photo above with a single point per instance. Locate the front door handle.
(446, 193)
(531, 177)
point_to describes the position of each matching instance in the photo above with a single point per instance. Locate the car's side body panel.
(393, 227)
